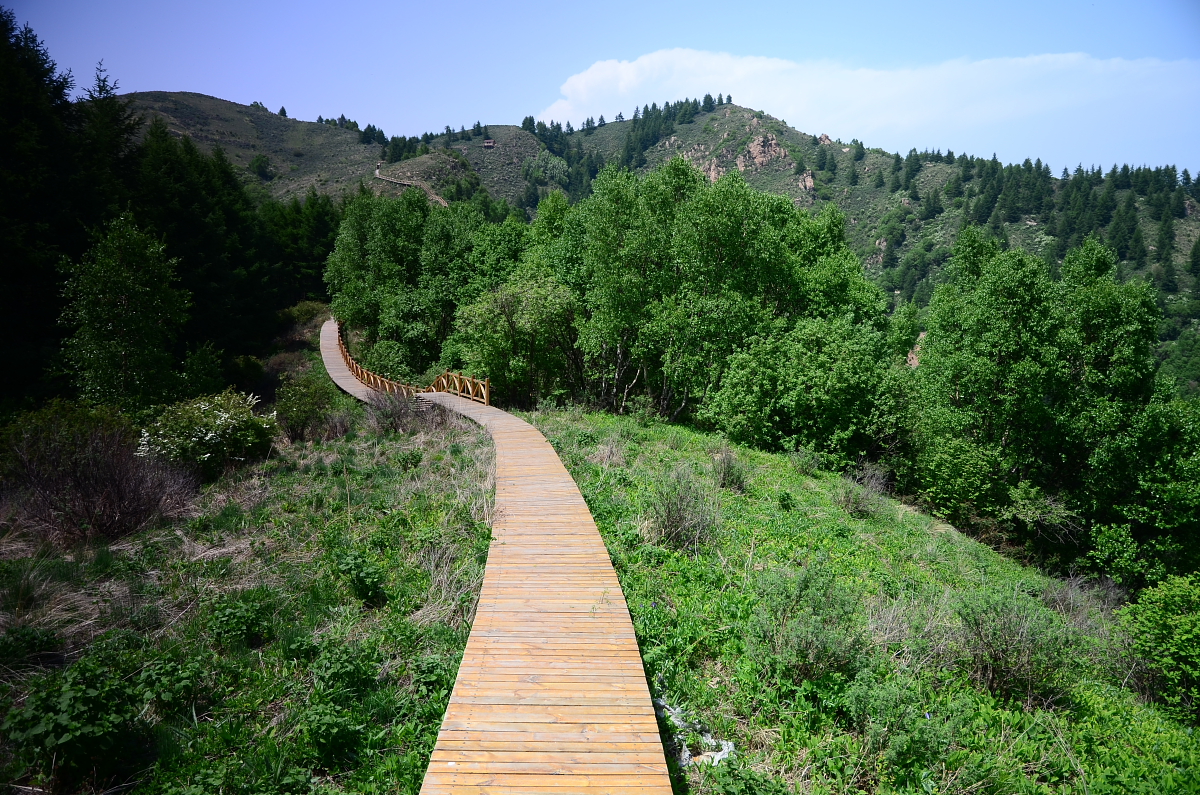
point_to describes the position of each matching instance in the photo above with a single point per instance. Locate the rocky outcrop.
(760, 151)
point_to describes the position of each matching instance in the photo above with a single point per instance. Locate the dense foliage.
(292, 630)
(1034, 415)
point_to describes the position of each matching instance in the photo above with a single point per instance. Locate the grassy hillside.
(303, 154)
(841, 642)
(498, 169)
(295, 627)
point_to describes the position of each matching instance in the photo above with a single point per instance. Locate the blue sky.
(1070, 82)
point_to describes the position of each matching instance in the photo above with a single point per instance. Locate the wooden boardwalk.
(551, 696)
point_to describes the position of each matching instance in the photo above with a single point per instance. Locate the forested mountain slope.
(904, 212)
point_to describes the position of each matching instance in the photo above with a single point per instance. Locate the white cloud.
(1065, 108)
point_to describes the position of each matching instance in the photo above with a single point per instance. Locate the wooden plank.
(551, 695)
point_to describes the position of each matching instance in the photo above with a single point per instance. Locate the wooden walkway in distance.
(551, 696)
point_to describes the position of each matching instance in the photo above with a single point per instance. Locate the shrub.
(806, 461)
(82, 723)
(242, 620)
(210, 434)
(860, 491)
(332, 732)
(347, 668)
(395, 414)
(889, 710)
(808, 624)
(681, 514)
(728, 470)
(304, 407)
(365, 577)
(75, 474)
(1164, 626)
(1013, 645)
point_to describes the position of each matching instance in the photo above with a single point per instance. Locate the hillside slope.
(303, 154)
(902, 234)
(766, 151)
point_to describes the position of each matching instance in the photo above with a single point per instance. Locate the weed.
(365, 577)
(243, 620)
(82, 724)
(682, 514)
(728, 470)
(332, 731)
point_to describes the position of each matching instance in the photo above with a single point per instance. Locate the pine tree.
(878, 181)
(601, 122)
(822, 158)
(283, 111)
(852, 177)
(1137, 248)
(932, 206)
(800, 167)
(709, 105)
(721, 101)
(126, 313)
(320, 120)
(1194, 260)
(729, 99)
(1169, 282)
(1165, 244)
(859, 151)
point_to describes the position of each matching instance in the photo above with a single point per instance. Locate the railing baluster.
(459, 384)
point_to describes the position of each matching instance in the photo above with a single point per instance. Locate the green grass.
(304, 154)
(909, 709)
(300, 633)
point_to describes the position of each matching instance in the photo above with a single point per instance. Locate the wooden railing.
(454, 383)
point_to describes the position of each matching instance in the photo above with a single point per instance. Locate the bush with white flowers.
(211, 433)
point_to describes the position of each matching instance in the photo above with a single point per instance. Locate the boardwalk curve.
(551, 696)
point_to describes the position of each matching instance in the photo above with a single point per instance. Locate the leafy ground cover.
(844, 642)
(299, 631)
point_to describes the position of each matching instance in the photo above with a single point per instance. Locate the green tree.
(283, 111)
(813, 386)
(125, 314)
(1164, 245)
(1035, 396)
(522, 336)
(1194, 259)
